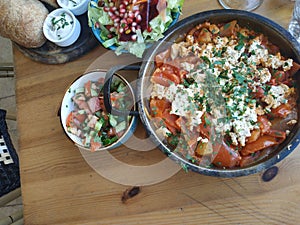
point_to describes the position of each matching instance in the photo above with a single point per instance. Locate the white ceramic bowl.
(61, 27)
(68, 106)
(77, 7)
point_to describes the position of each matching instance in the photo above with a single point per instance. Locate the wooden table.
(59, 187)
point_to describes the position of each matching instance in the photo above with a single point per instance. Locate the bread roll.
(53, 3)
(22, 22)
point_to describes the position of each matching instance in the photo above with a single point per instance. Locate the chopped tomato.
(259, 93)
(262, 142)
(280, 135)
(161, 57)
(280, 76)
(87, 88)
(282, 111)
(69, 119)
(247, 160)
(95, 145)
(204, 127)
(254, 136)
(264, 124)
(158, 106)
(170, 119)
(225, 156)
(228, 29)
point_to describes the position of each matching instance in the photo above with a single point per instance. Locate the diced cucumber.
(79, 90)
(94, 93)
(120, 127)
(81, 111)
(87, 141)
(121, 87)
(93, 133)
(98, 125)
(98, 114)
(112, 120)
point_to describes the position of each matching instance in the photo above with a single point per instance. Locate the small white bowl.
(61, 27)
(77, 7)
(67, 106)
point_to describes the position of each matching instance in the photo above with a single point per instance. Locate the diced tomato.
(204, 36)
(262, 142)
(247, 160)
(225, 156)
(95, 145)
(75, 117)
(259, 93)
(228, 29)
(69, 119)
(282, 111)
(170, 118)
(205, 127)
(158, 106)
(254, 136)
(280, 135)
(264, 124)
(101, 80)
(162, 57)
(165, 76)
(87, 88)
(280, 76)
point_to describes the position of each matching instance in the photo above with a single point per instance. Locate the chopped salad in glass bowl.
(131, 25)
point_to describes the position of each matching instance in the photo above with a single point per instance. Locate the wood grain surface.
(59, 187)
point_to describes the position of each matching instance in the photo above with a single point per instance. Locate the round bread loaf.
(22, 22)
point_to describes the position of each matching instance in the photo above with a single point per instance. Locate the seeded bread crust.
(22, 22)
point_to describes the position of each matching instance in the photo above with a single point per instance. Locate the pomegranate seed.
(134, 37)
(121, 15)
(136, 13)
(97, 25)
(113, 17)
(130, 15)
(149, 29)
(122, 6)
(122, 10)
(133, 29)
(121, 30)
(117, 20)
(110, 13)
(125, 2)
(109, 35)
(134, 24)
(113, 9)
(101, 4)
(106, 9)
(139, 18)
(117, 13)
(129, 20)
(133, 1)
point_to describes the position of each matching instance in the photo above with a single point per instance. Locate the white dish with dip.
(61, 27)
(77, 7)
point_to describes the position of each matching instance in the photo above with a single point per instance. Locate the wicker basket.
(9, 162)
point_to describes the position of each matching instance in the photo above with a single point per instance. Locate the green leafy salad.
(131, 25)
